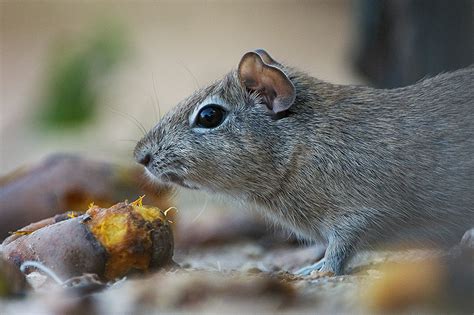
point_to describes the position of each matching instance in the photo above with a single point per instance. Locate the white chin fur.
(155, 179)
(151, 176)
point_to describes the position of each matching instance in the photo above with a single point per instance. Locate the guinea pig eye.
(210, 116)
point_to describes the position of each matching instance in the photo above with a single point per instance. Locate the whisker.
(157, 101)
(196, 82)
(204, 207)
(127, 140)
(131, 118)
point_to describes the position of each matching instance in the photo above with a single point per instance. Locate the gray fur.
(351, 166)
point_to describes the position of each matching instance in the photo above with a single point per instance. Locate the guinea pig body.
(351, 166)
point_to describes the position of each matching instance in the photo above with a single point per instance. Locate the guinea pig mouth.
(171, 177)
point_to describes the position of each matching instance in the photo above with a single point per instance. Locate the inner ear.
(272, 83)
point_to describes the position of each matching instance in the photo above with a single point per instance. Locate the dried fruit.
(110, 242)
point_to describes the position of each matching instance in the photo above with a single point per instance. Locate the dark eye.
(210, 116)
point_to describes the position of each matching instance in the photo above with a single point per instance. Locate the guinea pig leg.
(338, 252)
(306, 271)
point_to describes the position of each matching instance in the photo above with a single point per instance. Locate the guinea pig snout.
(143, 156)
(144, 159)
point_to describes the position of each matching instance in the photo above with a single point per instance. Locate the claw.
(306, 271)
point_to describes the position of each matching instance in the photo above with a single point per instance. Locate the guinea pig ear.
(266, 57)
(256, 75)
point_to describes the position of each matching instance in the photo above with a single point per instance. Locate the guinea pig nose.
(144, 159)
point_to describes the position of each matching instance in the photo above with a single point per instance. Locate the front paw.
(316, 267)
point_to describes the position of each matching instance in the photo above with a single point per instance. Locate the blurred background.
(80, 76)
(90, 77)
(85, 77)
